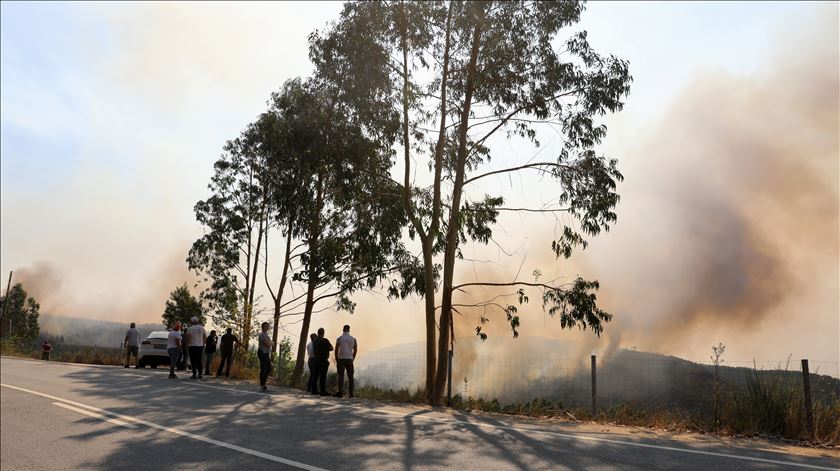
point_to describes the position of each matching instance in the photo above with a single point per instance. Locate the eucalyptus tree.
(281, 212)
(330, 183)
(460, 73)
(21, 311)
(227, 255)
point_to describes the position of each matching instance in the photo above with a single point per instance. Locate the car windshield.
(158, 335)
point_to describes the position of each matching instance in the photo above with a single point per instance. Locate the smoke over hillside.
(88, 332)
(731, 215)
(728, 225)
(52, 288)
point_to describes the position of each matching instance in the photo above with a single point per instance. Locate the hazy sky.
(111, 116)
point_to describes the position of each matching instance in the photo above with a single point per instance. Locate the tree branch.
(526, 210)
(536, 165)
(512, 283)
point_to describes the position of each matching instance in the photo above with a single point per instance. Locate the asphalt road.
(60, 416)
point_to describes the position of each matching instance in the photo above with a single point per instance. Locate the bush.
(405, 395)
(772, 403)
(283, 364)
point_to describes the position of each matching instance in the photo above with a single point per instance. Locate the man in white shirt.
(173, 347)
(196, 338)
(310, 352)
(345, 352)
(132, 345)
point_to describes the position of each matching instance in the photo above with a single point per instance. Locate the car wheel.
(154, 365)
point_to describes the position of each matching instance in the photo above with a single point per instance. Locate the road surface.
(59, 416)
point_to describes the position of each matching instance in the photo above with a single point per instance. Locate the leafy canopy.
(23, 311)
(182, 306)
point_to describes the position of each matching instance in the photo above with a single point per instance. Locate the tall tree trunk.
(282, 287)
(304, 328)
(454, 216)
(245, 333)
(408, 205)
(429, 298)
(312, 282)
(434, 227)
(243, 322)
(250, 312)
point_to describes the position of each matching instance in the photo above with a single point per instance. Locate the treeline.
(19, 314)
(321, 192)
(79, 331)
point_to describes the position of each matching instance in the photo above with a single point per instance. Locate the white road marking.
(94, 414)
(176, 431)
(569, 436)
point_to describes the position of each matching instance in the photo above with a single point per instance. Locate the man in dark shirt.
(210, 351)
(322, 349)
(47, 348)
(226, 352)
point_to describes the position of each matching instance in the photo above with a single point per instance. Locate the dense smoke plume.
(731, 214)
(52, 288)
(727, 230)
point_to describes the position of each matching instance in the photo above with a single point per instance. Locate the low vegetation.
(68, 353)
(768, 404)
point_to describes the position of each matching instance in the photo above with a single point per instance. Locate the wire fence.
(645, 380)
(391, 370)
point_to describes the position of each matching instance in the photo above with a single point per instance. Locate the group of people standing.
(201, 349)
(319, 349)
(198, 346)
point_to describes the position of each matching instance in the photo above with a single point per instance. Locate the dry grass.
(771, 404)
(71, 354)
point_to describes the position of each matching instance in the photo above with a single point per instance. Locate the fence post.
(449, 380)
(809, 411)
(6, 303)
(594, 406)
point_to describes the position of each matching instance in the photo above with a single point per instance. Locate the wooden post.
(594, 405)
(6, 303)
(8, 285)
(809, 411)
(449, 381)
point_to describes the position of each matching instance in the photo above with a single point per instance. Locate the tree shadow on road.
(327, 432)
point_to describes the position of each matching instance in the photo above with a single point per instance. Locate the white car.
(153, 350)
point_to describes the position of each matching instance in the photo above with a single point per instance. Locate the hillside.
(527, 368)
(89, 332)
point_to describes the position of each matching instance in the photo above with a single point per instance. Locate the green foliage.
(501, 70)
(476, 219)
(320, 175)
(283, 362)
(182, 306)
(234, 222)
(330, 168)
(22, 310)
(577, 306)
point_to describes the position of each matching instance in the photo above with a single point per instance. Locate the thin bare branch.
(512, 283)
(534, 165)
